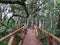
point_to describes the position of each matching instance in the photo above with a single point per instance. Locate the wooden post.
(12, 41)
(20, 43)
(51, 40)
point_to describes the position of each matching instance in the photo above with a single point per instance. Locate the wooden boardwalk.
(30, 38)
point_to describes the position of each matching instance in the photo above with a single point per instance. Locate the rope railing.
(13, 33)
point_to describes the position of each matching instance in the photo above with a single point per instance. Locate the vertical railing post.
(20, 43)
(12, 40)
(51, 40)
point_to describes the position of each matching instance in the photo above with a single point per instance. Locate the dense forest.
(44, 13)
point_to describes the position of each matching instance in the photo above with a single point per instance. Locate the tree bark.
(39, 22)
(0, 14)
(11, 2)
(58, 22)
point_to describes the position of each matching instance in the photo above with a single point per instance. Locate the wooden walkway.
(30, 38)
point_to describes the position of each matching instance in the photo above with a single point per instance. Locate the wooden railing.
(52, 39)
(12, 37)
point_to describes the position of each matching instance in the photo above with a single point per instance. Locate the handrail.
(56, 38)
(13, 33)
(7, 36)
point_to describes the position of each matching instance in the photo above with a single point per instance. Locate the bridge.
(32, 37)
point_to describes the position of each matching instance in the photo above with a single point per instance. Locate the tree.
(0, 14)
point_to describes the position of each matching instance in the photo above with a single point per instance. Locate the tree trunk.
(58, 22)
(0, 14)
(39, 22)
(36, 20)
(32, 21)
(43, 24)
(51, 20)
(28, 20)
(55, 2)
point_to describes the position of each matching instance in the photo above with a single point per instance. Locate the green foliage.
(16, 7)
(58, 1)
(12, 21)
(2, 29)
(5, 42)
(45, 41)
(47, 11)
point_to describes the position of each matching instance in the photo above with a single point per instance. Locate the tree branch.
(17, 15)
(16, 2)
(26, 10)
(2, 24)
(36, 9)
(11, 2)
